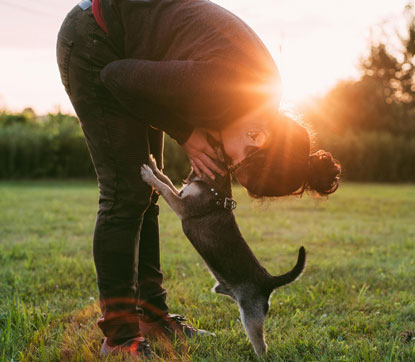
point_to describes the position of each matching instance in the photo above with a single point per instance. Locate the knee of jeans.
(126, 203)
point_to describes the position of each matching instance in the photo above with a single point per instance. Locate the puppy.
(205, 210)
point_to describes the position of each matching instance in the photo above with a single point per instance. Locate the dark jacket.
(192, 57)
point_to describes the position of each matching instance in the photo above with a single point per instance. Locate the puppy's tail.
(293, 274)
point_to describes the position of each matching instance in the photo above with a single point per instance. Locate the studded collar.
(222, 201)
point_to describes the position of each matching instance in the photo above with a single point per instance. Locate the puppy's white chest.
(192, 190)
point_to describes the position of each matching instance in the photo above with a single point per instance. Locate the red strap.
(99, 18)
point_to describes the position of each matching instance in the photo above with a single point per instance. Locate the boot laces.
(179, 320)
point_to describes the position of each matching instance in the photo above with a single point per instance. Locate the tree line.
(54, 147)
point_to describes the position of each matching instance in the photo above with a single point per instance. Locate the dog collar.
(223, 201)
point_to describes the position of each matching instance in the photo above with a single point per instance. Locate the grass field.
(355, 301)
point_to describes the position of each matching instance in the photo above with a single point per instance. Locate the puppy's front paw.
(152, 163)
(147, 173)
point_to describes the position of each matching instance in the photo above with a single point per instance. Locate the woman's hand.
(201, 153)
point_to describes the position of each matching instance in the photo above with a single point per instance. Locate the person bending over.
(134, 69)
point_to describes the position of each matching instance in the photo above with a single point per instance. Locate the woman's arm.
(197, 92)
(116, 80)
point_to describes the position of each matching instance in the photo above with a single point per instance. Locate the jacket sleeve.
(206, 94)
(119, 78)
(200, 93)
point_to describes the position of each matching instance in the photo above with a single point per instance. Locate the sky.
(314, 43)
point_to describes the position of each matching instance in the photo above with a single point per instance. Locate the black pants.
(126, 238)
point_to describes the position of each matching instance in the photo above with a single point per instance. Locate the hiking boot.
(169, 325)
(137, 347)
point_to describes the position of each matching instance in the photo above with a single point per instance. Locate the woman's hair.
(284, 165)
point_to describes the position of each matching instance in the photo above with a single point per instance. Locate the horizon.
(313, 45)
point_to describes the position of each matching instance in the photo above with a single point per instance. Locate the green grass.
(355, 301)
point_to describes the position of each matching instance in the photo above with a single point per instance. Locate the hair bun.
(323, 173)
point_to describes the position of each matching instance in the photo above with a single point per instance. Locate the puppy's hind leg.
(253, 319)
(173, 199)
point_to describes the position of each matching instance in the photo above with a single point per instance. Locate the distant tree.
(396, 74)
(29, 113)
(383, 99)
(7, 119)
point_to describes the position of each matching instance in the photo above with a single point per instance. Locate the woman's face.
(234, 145)
(239, 150)
(241, 138)
(240, 143)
